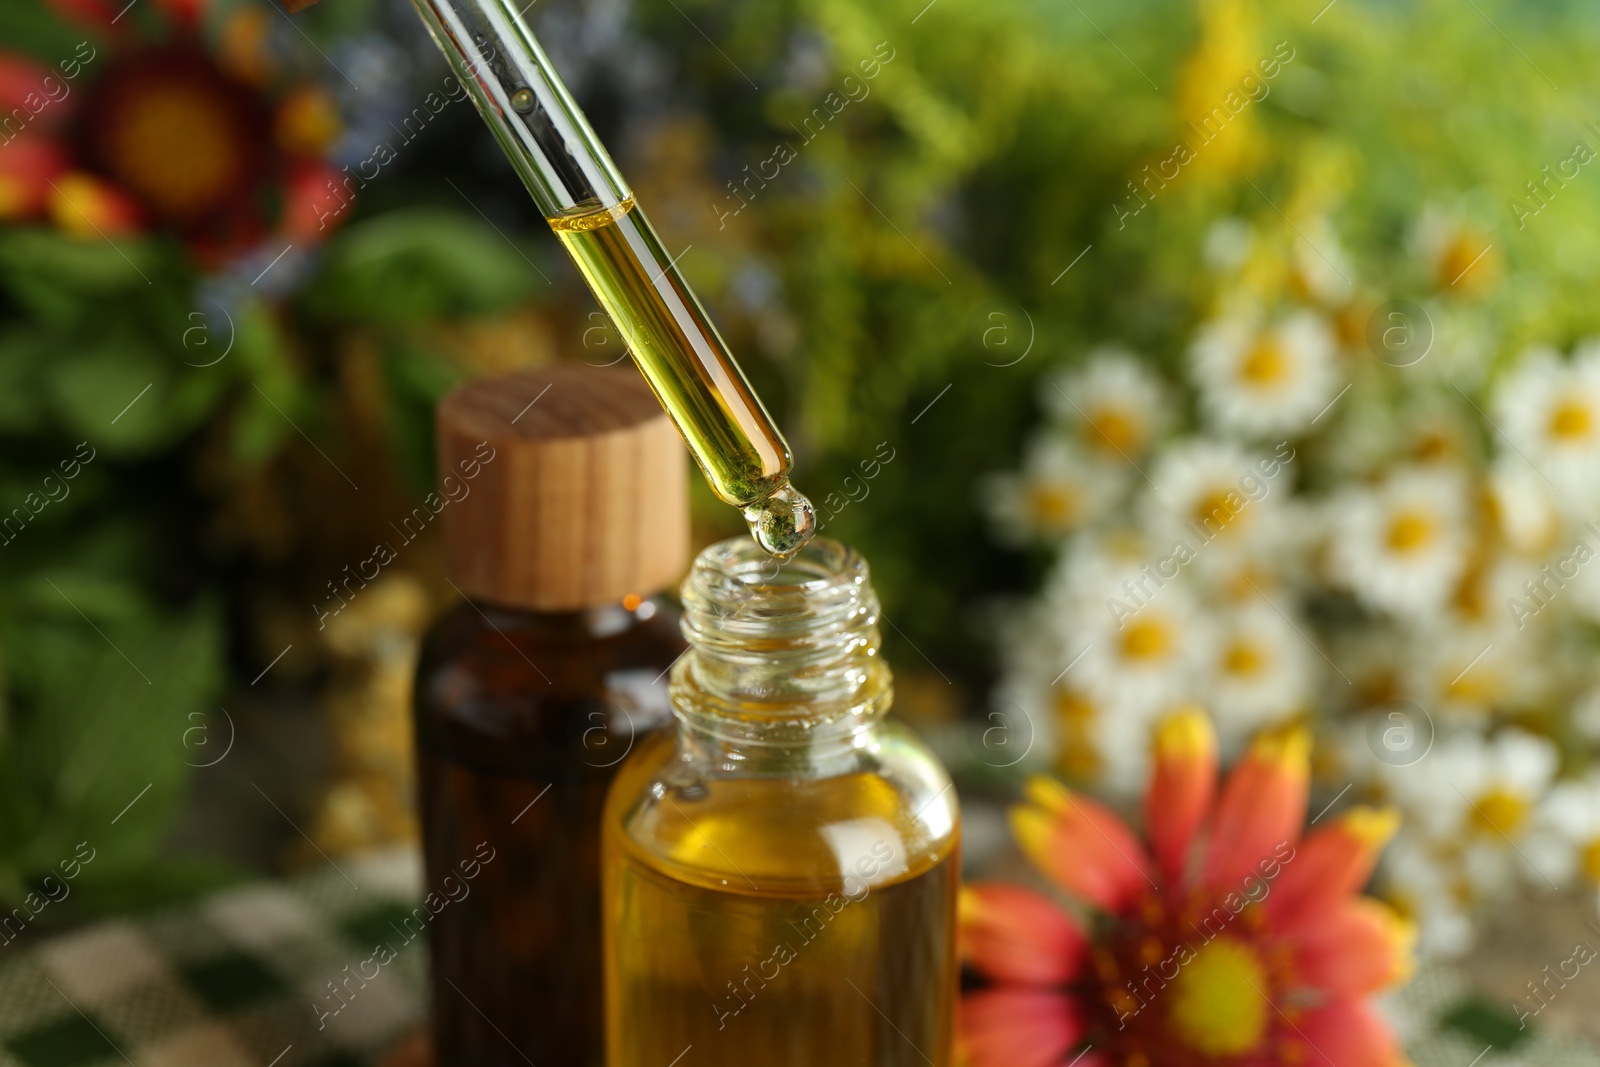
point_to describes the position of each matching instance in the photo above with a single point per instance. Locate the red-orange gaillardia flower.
(1226, 939)
(154, 127)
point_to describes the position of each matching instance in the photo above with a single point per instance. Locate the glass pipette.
(592, 211)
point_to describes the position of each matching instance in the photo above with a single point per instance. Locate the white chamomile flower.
(1402, 546)
(1459, 257)
(1059, 489)
(1566, 838)
(1322, 268)
(1435, 432)
(1114, 405)
(1260, 673)
(1564, 584)
(1523, 507)
(1421, 428)
(1139, 651)
(1019, 731)
(1586, 715)
(1463, 672)
(1092, 563)
(1483, 598)
(1103, 744)
(1476, 788)
(1216, 497)
(1550, 412)
(1420, 880)
(1256, 380)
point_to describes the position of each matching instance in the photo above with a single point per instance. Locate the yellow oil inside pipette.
(744, 457)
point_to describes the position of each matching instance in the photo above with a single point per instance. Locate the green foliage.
(103, 688)
(113, 355)
(101, 671)
(416, 265)
(417, 380)
(1487, 1023)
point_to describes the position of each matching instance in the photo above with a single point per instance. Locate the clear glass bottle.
(780, 875)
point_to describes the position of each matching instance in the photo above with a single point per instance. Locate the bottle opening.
(780, 641)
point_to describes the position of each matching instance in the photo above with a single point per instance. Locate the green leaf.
(417, 379)
(51, 274)
(413, 265)
(97, 751)
(260, 353)
(71, 594)
(123, 887)
(22, 355)
(121, 394)
(1485, 1023)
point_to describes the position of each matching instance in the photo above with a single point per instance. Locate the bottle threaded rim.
(777, 644)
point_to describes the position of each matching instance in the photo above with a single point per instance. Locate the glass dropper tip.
(782, 522)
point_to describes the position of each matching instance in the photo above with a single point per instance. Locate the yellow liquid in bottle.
(744, 457)
(761, 953)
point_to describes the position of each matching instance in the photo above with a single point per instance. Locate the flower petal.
(27, 167)
(1081, 846)
(1330, 865)
(314, 202)
(1182, 787)
(1016, 1028)
(87, 206)
(20, 78)
(1262, 808)
(1348, 1033)
(1363, 946)
(1010, 934)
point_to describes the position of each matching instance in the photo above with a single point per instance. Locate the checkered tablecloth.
(234, 981)
(1447, 1024)
(240, 979)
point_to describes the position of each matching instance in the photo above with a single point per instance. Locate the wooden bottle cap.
(580, 495)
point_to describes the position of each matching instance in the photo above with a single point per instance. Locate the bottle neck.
(784, 668)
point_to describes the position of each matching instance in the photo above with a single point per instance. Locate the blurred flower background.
(1228, 352)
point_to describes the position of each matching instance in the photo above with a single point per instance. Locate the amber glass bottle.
(566, 510)
(781, 871)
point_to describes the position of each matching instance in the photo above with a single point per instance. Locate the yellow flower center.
(307, 123)
(1571, 421)
(1078, 758)
(1216, 511)
(1478, 684)
(1146, 639)
(1500, 811)
(1052, 505)
(1467, 263)
(1591, 860)
(1266, 363)
(1410, 531)
(1243, 658)
(176, 147)
(1219, 1003)
(1114, 429)
(1433, 445)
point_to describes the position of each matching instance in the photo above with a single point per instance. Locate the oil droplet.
(522, 100)
(782, 523)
